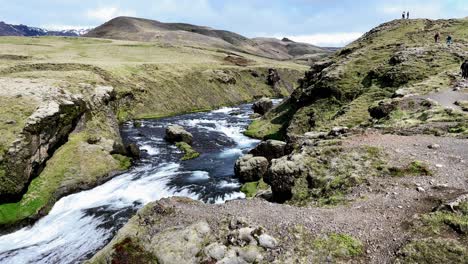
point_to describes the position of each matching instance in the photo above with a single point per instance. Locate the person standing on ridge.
(437, 37)
(403, 15)
(407, 15)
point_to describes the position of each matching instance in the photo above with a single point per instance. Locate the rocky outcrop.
(224, 76)
(382, 110)
(176, 133)
(262, 106)
(282, 174)
(270, 149)
(249, 168)
(45, 130)
(273, 77)
(454, 204)
(161, 233)
(133, 151)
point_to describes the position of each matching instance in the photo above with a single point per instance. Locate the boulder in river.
(133, 151)
(176, 133)
(270, 149)
(249, 168)
(262, 106)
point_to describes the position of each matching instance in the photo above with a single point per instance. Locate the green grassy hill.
(396, 57)
(139, 29)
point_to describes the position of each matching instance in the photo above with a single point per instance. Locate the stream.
(80, 224)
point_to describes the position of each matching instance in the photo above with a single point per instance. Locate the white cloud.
(103, 14)
(327, 39)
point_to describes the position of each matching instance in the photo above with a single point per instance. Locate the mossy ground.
(325, 248)
(415, 168)
(338, 246)
(251, 188)
(445, 238)
(189, 152)
(426, 251)
(274, 125)
(413, 115)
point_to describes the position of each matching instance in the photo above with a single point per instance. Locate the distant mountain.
(138, 29)
(27, 31)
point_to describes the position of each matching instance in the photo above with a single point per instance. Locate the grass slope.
(396, 55)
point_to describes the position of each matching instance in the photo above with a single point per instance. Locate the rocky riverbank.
(61, 120)
(372, 166)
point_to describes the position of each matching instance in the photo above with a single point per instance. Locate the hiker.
(407, 15)
(437, 37)
(403, 15)
(464, 68)
(449, 40)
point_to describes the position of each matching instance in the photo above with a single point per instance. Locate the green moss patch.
(338, 246)
(274, 124)
(13, 115)
(433, 251)
(415, 168)
(128, 251)
(440, 221)
(251, 188)
(190, 153)
(124, 162)
(326, 248)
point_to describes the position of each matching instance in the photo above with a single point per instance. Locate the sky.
(319, 22)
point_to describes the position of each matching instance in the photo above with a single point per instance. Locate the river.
(80, 224)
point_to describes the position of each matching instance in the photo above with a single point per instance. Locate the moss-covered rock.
(45, 130)
(189, 152)
(323, 174)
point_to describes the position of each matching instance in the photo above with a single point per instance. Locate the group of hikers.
(464, 68)
(448, 39)
(405, 14)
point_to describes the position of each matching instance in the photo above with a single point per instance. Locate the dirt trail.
(382, 209)
(448, 98)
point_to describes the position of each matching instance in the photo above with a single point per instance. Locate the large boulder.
(133, 151)
(249, 168)
(176, 133)
(45, 131)
(262, 106)
(282, 174)
(382, 109)
(270, 149)
(273, 77)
